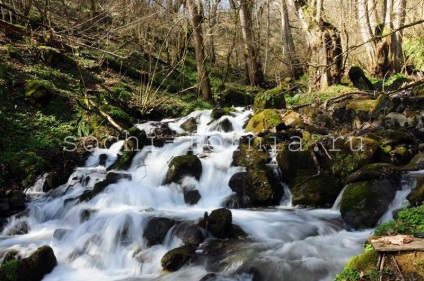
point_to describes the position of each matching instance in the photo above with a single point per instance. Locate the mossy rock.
(374, 171)
(235, 97)
(10, 256)
(292, 163)
(316, 191)
(362, 108)
(364, 261)
(363, 203)
(156, 230)
(219, 223)
(178, 257)
(249, 156)
(181, 166)
(417, 195)
(32, 268)
(292, 119)
(189, 233)
(124, 161)
(348, 155)
(219, 112)
(263, 121)
(111, 178)
(190, 125)
(118, 115)
(417, 163)
(273, 98)
(48, 55)
(260, 186)
(40, 92)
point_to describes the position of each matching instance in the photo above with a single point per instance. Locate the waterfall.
(102, 239)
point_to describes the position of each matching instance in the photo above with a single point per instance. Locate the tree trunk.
(366, 29)
(202, 75)
(212, 23)
(325, 44)
(254, 73)
(289, 53)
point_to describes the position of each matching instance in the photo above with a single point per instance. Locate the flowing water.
(102, 239)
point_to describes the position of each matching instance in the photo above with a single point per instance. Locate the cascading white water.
(102, 239)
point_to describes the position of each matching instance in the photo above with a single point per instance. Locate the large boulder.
(190, 233)
(264, 120)
(192, 197)
(190, 125)
(178, 257)
(261, 186)
(363, 203)
(417, 163)
(16, 199)
(182, 166)
(218, 223)
(374, 171)
(32, 268)
(219, 112)
(249, 156)
(156, 230)
(293, 163)
(316, 191)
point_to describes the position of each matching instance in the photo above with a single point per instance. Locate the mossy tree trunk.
(325, 44)
(202, 75)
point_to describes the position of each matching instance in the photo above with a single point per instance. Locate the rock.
(111, 178)
(182, 166)
(102, 159)
(223, 126)
(261, 186)
(177, 258)
(395, 119)
(247, 155)
(124, 160)
(10, 256)
(292, 119)
(156, 230)
(192, 197)
(85, 215)
(359, 80)
(363, 109)
(211, 277)
(235, 97)
(416, 197)
(236, 201)
(48, 55)
(273, 98)
(16, 199)
(374, 171)
(51, 181)
(237, 232)
(363, 203)
(316, 191)
(383, 105)
(40, 92)
(189, 125)
(294, 163)
(262, 121)
(219, 112)
(4, 206)
(417, 163)
(32, 268)
(219, 223)
(60, 233)
(190, 233)
(18, 228)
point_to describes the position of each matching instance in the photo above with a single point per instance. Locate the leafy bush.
(409, 221)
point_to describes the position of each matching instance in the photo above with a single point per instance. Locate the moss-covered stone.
(178, 257)
(118, 115)
(416, 197)
(316, 191)
(156, 230)
(249, 156)
(40, 92)
(374, 171)
(32, 268)
(293, 163)
(219, 112)
(417, 163)
(219, 223)
(189, 125)
(181, 166)
(111, 178)
(363, 203)
(362, 108)
(273, 98)
(10, 256)
(292, 119)
(263, 121)
(232, 96)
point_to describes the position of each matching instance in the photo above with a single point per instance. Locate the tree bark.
(202, 75)
(254, 73)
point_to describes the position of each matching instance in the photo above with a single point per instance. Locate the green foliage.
(293, 100)
(36, 85)
(414, 50)
(348, 274)
(409, 221)
(122, 91)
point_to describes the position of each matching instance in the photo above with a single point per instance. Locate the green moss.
(364, 261)
(362, 105)
(273, 98)
(356, 193)
(362, 264)
(416, 195)
(178, 257)
(262, 121)
(249, 156)
(184, 165)
(47, 54)
(10, 271)
(316, 192)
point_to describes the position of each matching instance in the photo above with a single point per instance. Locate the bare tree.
(202, 75)
(254, 73)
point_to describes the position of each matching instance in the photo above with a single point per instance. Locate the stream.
(284, 242)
